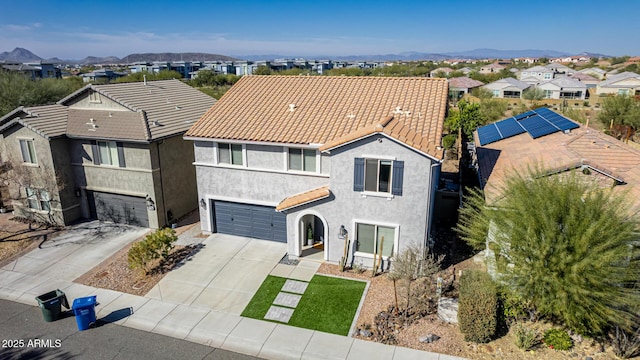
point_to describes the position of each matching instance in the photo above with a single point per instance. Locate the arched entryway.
(312, 235)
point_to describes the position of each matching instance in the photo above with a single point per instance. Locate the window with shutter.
(378, 176)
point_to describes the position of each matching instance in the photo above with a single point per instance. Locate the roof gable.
(324, 109)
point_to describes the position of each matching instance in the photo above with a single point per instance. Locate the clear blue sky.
(75, 29)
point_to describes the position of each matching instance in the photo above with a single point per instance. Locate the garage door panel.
(256, 221)
(118, 208)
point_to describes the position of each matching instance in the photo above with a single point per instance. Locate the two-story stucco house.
(117, 151)
(314, 160)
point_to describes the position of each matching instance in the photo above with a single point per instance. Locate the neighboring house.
(595, 72)
(626, 83)
(35, 70)
(563, 88)
(536, 74)
(590, 81)
(610, 161)
(102, 75)
(117, 148)
(463, 85)
(507, 88)
(293, 158)
(492, 68)
(440, 71)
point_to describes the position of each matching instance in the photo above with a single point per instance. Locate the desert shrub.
(477, 306)
(156, 245)
(448, 141)
(526, 338)
(625, 344)
(558, 339)
(514, 307)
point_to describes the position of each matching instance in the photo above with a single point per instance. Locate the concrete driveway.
(223, 276)
(63, 258)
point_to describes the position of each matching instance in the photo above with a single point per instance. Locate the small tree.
(411, 264)
(573, 246)
(466, 118)
(533, 94)
(623, 110)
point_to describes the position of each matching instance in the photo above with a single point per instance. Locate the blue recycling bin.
(84, 309)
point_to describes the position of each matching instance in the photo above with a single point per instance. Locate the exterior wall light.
(203, 204)
(342, 232)
(151, 205)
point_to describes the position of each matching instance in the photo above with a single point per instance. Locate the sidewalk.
(192, 321)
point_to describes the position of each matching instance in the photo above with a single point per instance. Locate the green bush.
(448, 141)
(477, 307)
(558, 339)
(526, 338)
(156, 245)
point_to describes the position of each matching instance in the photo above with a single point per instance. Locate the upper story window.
(302, 160)
(28, 151)
(108, 153)
(230, 154)
(547, 76)
(378, 176)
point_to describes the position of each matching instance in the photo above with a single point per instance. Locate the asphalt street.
(25, 335)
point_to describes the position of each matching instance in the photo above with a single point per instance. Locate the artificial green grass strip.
(328, 305)
(263, 299)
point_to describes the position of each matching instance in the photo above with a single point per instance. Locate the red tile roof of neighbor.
(464, 83)
(329, 111)
(559, 151)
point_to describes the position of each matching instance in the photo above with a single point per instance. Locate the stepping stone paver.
(286, 299)
(278, 313)
(294, 286)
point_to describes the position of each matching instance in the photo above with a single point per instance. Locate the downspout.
(164, 208)
(430, 207)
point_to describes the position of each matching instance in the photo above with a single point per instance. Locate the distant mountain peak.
(19, 54)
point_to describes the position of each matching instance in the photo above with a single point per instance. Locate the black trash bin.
(51, 304)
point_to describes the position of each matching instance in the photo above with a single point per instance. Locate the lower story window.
(375, 239)
(38, 199)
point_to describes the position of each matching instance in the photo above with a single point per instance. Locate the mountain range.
(24, 55)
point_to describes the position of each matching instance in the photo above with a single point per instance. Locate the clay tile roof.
(464, 83)
(49, 121)
(100, 124)
(304, 198)
(170, 107)
(559, 151)
(322, 109)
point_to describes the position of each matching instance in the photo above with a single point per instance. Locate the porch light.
(342, 232)
(203, 204)
(151, 205)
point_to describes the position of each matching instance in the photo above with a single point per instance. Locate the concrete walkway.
(199, 302)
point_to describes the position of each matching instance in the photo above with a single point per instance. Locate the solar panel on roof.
(509, 127)
(488, 134)
(537, 126)
(524, 115)
(558, 120)
(543, 111)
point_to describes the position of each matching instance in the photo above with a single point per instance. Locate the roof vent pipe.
(144, 78)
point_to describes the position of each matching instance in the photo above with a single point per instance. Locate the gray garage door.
(256, 221)
(117, 208)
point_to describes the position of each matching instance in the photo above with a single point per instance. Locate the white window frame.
(112, 150)
(396, 235)
(302, 150)
(30, 148)
(38, 200)
(230, 147)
